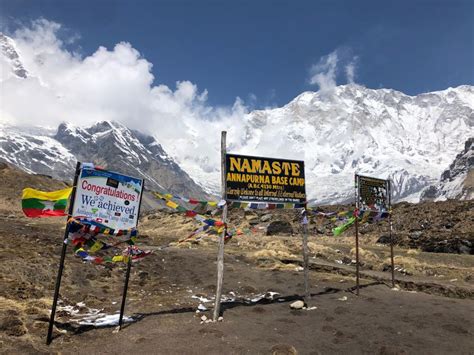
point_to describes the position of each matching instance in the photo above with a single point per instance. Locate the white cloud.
(324, 73)
(350, 70)
(112, 84)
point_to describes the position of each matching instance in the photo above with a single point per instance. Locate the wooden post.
(49, 338)
(307, 294)
(220, 252)
(356, 215)
(391, 228)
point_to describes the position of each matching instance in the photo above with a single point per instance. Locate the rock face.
(10, 60)
(456, 182)
(108, 144)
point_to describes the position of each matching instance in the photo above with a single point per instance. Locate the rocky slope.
(10, 62)
(108, 144)
(456, 182)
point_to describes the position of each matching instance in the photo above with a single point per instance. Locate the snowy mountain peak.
(377, 132)
(10, 62)
(107, 143)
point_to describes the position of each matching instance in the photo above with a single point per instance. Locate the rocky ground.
(429, 311)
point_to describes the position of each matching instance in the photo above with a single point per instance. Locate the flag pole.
(220, 252)
(63, 255)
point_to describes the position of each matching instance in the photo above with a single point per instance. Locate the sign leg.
(307, 294)
(391, 251)
(220, 269)
(125, 288)
(63, 256)
(357, 252)
(56, 292)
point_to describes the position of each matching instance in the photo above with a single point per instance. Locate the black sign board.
(260, 179)
(373, 194)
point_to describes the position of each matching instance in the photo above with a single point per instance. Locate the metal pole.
(357, 251)
(220, 252)
(356, 215)
(63, 256)
(125, 287)
(391, 228)
(307, 294)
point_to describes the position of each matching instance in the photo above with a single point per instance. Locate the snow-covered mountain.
(108, 144)
(382, 133)
(10, 63)
(456, 182)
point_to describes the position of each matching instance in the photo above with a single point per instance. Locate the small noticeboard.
(372, 194)
(250, 178)
(108, 198)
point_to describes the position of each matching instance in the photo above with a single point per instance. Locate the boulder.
(254, 221)
(279, 227)
(384, 239)
(297, 305)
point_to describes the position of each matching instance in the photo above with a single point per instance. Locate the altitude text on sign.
(264, 179)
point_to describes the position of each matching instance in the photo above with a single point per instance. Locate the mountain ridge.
(107, 143)
(337, 132)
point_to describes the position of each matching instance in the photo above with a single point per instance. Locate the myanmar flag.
(37, 203)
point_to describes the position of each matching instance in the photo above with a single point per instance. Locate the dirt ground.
(430, 311)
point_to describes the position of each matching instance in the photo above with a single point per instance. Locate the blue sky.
(263, 51)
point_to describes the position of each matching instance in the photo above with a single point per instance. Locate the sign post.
(129, 267)
(220, 252)
(373, 196)
(61, 262)
(391, 230)
(261, 180)
(356, 215)
(307, 294)
(125, 286)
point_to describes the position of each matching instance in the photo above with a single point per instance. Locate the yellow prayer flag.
(172, 204)
(95, 247)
